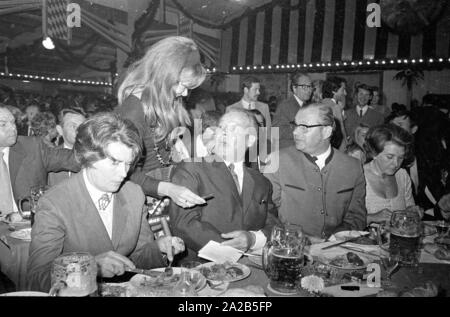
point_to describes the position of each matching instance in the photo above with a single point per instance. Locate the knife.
(342, 242)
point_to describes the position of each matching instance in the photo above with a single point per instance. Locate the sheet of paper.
(216, 252)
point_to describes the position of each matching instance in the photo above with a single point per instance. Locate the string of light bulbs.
(54, 79)
(341, 64)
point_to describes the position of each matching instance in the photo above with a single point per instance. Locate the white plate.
(245, 271)
(32, 294)
(140, 279)
(22, 234)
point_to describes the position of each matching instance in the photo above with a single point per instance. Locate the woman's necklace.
(159, 156)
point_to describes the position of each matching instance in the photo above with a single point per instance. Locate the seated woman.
(388, 187)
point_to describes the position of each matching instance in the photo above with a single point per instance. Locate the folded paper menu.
(216, 252)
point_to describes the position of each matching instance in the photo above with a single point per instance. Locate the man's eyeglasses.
(303, 86)
(306, 127)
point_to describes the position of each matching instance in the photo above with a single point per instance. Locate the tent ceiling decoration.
(94, 45)
(321, 35)
(148, 31)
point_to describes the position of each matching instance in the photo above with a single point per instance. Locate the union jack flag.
(56, 12)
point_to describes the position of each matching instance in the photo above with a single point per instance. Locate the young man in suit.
(251, 88)
(318, 187)
(302, 89)
(25, 163)
(362, 113)
(69, 121)
(241, 213)
(98, 210)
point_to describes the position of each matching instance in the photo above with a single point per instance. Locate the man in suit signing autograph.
(97, 210)
(316, 186)
(241, 214)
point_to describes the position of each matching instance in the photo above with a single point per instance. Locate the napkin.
(214, 251)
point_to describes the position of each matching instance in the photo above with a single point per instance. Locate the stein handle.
(19, 205)
(56, 288)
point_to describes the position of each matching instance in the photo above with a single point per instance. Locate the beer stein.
(405, 237)
(74, 274)
(283, 258)
(35, 193)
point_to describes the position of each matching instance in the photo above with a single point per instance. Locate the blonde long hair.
(164, 65)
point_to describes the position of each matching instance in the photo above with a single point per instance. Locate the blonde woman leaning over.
(388, 187)
(151, 97)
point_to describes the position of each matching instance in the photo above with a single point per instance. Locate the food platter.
(162, 284)
(224, 272)
(342, 261)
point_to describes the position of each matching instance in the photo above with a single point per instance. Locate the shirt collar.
(94, 192)
(322, 157)
(358, 107)
(299, 101)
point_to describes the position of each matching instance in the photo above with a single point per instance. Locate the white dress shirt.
(248, 105)
(260, 238)
(322, 158)
(298, 100)
(364, 109)
(107, 214)
(6, 159)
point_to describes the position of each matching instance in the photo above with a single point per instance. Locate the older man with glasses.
(302, 89)
(316, 186)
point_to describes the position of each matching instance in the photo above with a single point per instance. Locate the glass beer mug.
(283, 258)
(74, 274)
(405, 236)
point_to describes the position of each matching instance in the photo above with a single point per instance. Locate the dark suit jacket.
(30, 161)
(321, 201)
(55, 178)
(286, 112)
(226, 211)
(352, 119)
(68, 221)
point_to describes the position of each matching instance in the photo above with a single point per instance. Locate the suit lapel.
(248, 185)
(120, 215)
(16, 155)
(89, 215)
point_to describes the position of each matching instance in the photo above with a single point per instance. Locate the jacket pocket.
(295, 187)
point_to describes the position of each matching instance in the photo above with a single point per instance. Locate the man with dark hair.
(25, 163)
(362, 113)
(241, 213)
(302, 89)
(334, 92)
(69, 121)
(251, 89)
(97, 210)
(318, 187)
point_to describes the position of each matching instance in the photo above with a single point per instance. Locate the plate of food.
(347, 261)
(158, 283)
(438, 226)
(224, 272)
(22, 234)
(115, 289)
(358, 237)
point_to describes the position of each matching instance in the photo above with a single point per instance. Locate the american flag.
(57, 19)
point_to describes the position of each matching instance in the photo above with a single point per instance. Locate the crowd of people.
(231, 173)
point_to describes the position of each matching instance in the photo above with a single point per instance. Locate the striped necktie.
(6, 197)
(235, 178)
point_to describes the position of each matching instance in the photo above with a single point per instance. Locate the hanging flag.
(55, 24)
(185, 26)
